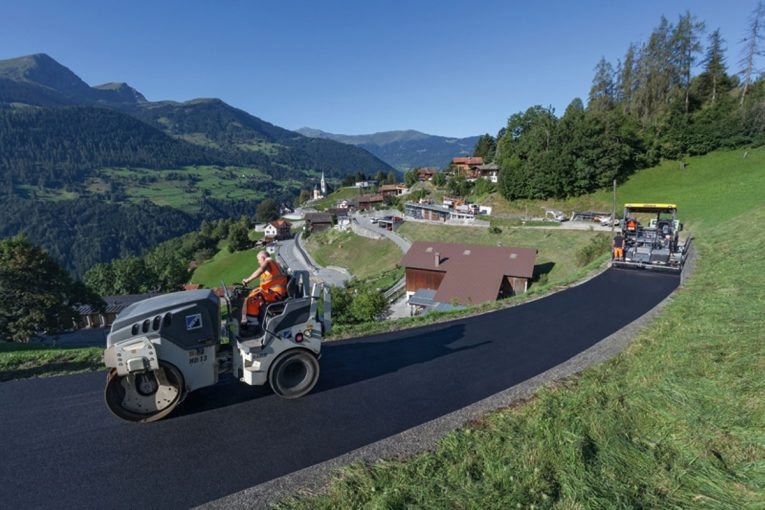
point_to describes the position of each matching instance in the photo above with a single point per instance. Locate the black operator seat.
(293, 287)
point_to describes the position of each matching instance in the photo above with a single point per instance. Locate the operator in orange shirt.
(273, 287)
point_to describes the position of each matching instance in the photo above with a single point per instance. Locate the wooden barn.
(467, 273)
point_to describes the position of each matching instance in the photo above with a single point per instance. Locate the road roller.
(161, 349)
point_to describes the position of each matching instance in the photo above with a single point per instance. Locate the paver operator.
(618, 247)
(273, 287)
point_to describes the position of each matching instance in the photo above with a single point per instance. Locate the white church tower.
(323, 185)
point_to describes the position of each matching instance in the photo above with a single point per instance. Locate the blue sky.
(442, 67)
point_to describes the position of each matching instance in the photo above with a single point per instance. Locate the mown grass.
(363, 257)
(226, 266)
(21, 361)
(675, 421)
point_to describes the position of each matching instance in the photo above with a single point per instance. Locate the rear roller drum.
(144, 396)
(294, 373)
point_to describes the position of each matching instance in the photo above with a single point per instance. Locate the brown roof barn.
(318, 221)
(468, 273)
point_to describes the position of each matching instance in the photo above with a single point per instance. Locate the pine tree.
(626, 79)
(685, 47)
(602, 92)
(485, 147)
(714, 62)
(752, 48)
(656, 74)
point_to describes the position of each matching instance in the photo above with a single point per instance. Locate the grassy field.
(676, 421)
(226, 266)
(180, 188)
(556, 247)
(364, 258)
(20, 361)
(332, 198)
(173, 187)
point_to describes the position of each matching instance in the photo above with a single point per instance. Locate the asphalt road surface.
(61, 448)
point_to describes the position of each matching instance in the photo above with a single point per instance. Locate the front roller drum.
(144, 396)
(294, 373)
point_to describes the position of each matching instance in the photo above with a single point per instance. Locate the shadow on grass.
(50, 369)
(542, 269)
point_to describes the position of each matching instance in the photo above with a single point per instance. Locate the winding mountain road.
(62, 449)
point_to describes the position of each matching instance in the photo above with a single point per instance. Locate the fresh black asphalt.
(61, 448)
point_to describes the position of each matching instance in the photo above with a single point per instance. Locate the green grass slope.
(363, 257)
(676, 421)
(226, 266)
(709, 190)
(332, 198)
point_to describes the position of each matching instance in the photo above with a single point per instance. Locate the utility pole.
(613, 211)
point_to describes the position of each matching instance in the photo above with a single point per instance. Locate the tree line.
(649, 106)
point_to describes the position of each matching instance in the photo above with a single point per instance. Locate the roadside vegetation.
(21, 361)
(676, 420)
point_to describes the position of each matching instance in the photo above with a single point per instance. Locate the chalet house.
(426, 174)
(367, 202)
(456, 273)
(338, 212)
(316, 222)
(393, 190)
(489, 172)
(279, 229)
(467, 166)
(90, 317)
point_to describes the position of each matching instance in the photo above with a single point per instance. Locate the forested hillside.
(93, 173)
(647, 107)
(80, 233)
(59, 147)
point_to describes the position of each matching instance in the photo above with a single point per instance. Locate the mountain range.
(41, 81)
(98, 172)
(95, 173)
(404, 149)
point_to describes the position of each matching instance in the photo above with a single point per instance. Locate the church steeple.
(323, 185)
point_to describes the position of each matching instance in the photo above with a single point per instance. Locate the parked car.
(605, 221)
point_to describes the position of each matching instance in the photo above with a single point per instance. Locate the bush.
(353, 306)
(495, 230)
(598, 245)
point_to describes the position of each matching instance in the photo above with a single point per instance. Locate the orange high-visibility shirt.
(272, 276)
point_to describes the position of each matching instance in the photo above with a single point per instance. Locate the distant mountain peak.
(42, 69)
(406, 148)
(123, 91)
